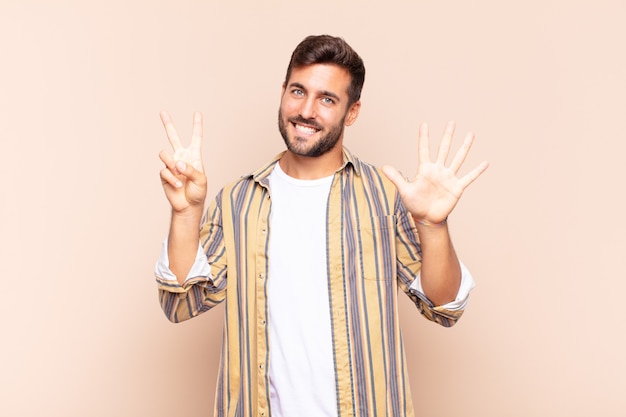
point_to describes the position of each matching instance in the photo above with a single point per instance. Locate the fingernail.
(181, 166)
(178, 184)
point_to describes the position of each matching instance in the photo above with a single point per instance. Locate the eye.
(328, 100)
(297, 92)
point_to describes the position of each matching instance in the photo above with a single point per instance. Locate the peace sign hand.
(183, 177)
(436, 189)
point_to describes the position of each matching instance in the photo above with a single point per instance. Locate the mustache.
(308, 122)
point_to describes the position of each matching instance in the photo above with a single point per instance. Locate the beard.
(298, 145)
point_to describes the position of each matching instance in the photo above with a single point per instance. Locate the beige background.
(82, 215)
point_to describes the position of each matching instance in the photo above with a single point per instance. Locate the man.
(309, 253)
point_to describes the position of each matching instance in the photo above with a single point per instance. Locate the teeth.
(305, 129)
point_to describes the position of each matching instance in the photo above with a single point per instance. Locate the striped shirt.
(373, 251)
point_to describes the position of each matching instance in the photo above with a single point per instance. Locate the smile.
(305, 129)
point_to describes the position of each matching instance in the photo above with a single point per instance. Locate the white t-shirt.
(302, 378)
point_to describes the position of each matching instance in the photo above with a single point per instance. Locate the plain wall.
(82, 213)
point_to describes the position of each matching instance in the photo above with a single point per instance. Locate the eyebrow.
(324, 93)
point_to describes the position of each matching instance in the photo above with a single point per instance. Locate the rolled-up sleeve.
(462, 297)
(409, 263)
(205, 285)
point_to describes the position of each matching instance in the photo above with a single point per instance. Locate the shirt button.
(262, 321)
(263, 231)
(261, 276)
(261, 366)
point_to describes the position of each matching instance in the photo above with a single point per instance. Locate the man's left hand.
(436, 188)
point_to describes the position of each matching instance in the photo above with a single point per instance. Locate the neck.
(312, 167)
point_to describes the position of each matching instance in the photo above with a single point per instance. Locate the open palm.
(436, 188)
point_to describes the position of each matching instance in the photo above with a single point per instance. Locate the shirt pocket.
(377, 248)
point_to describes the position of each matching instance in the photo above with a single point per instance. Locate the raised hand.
(436, 189)
(183, 177)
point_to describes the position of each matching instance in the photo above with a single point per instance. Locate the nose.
(307, 108)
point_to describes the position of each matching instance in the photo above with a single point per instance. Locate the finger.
(168, 178)
(196, 133)
(192, 174)
(473, 174)
(444, 146)
(172, 136)
(422, 144)
(461, 154)
(169, 161)
(395, 176)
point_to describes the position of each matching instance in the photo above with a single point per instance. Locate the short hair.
(326, 49)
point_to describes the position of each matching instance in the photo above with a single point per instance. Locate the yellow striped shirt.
(373, 250)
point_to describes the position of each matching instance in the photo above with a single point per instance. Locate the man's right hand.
(183, 177)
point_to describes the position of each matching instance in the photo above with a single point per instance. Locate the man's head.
(326, 49)
(320, 96)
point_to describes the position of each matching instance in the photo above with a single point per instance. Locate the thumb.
(190, 172)
(394, 176)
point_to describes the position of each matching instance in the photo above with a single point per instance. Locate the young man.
(309, 252)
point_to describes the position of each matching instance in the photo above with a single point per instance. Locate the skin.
(430, 197)
(314, 110)
(185, 187)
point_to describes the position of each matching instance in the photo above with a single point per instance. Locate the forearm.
(183, 239)
(440, 272)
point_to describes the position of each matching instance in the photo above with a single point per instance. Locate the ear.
(353, 113)
(282, 92)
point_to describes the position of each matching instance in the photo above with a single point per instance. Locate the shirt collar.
(261, 174)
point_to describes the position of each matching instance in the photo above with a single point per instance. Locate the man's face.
(314, 109)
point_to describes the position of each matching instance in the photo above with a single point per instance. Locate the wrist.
(190, 214)
(428, 223)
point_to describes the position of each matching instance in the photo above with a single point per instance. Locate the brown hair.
(325, 49)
